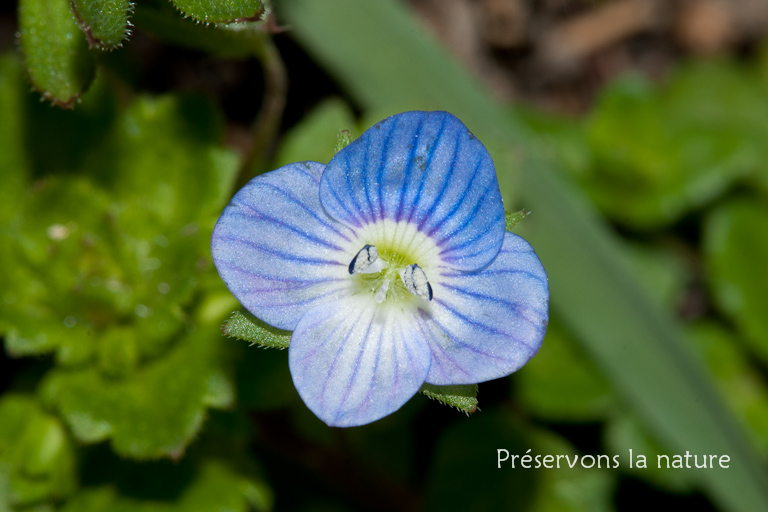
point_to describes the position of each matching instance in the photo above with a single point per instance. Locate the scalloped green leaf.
(245, 326)
(105, 22)
(463, 398)
(169, 166)
(221, 11)
(154, 412)
(55, 51)
(736, 249)
(58, 250)
(127, 251)
(37, 457)
(210, 485)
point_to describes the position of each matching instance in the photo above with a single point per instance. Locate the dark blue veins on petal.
(421, 162)
(320, 217)
(275, 238)
(492, 321)
(424, 168)
(348, 365)
(342, 346)
(284, 255)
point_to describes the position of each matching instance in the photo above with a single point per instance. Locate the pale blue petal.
(424, 168)
(277, 251)
(353, 363)
(486, 325)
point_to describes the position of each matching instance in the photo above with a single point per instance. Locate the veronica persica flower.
(391, 265)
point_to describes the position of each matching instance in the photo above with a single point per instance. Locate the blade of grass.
(388, 63)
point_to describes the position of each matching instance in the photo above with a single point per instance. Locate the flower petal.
(354, 363)
(423, 168)
(488, 324)
(277, 251)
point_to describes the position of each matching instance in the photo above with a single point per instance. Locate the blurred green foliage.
(132, 398)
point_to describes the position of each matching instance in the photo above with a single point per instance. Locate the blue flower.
(391, 265)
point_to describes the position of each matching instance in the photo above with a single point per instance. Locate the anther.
(366, 261)
(416, 282)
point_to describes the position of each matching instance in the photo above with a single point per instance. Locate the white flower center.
(394, 264)
(389, 275)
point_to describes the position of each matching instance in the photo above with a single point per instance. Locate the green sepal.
(343, 139)
(55, 51)
(463, 398)
(221, 11)
(512, 219)
(105, 22)
(245, 326)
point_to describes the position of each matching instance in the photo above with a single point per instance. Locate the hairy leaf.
(55, 51)
(105, 22)
(221, 11)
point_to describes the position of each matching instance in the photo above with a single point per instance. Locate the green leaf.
(684, 146)
(154, 412)
(561, 383)
(593, 289)
(57, 250)
(736, 249)
(245, 326)
(210, 485)
(737, 378)
(463, 398)
(128, 251)
(105, 22)
(37, 457)
(168, 163)
(221, 11)
(55, 51)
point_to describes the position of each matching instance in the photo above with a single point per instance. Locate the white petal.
(488, 324)
(277, 250)
(354, 362)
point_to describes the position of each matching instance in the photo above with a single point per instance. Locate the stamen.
(366, 261)
(382, 293)
(416, 281)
